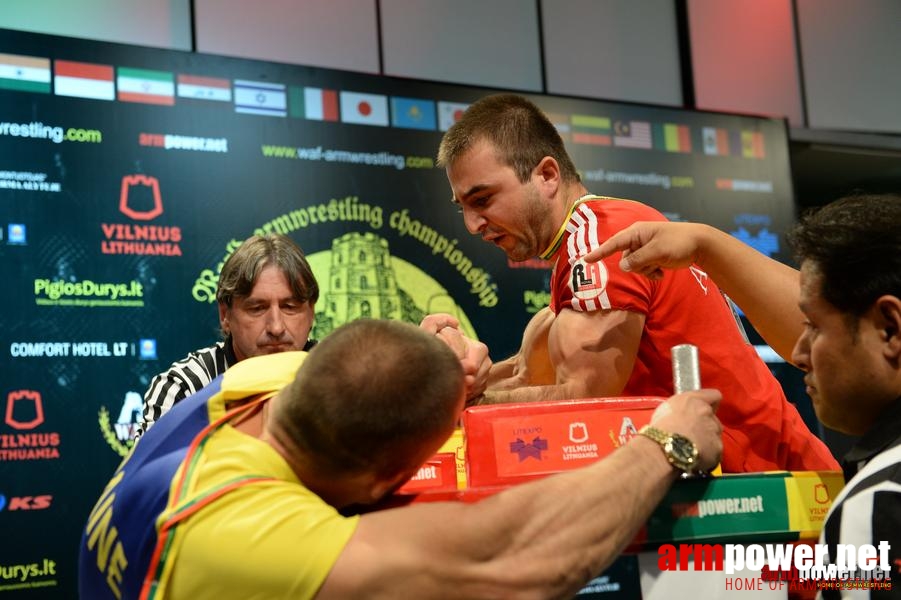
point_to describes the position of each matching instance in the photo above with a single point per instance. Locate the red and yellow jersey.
(762, 430)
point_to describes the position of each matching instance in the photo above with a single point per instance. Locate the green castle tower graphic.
(361, 280)
(365, 281)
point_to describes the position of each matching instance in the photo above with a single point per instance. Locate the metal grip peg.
(686, 373)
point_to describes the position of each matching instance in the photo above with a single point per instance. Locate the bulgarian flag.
(24, 73)
(83, 80)
(204, 88)
(143, 85)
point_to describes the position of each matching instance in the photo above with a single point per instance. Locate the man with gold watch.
(680, 451)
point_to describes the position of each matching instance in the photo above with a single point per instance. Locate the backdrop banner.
(129, 174)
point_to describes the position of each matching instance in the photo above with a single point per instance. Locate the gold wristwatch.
(680, 451)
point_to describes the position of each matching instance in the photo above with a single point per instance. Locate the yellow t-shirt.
(268, 539)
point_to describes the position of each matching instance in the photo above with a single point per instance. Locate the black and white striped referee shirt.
(868, 509)
(185, 377)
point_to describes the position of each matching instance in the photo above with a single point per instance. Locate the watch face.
(683, 452)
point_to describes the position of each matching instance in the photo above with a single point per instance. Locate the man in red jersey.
(611, 331)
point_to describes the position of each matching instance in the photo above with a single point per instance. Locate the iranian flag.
(83, 80)
(143, 85)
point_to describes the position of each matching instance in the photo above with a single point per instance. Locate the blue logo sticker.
(148, 349)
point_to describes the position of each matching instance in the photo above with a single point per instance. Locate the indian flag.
(83, 80)
(143, 85)
(204, 88)
(24, 73)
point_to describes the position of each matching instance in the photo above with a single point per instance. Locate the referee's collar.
(229, 348)
(885, 433)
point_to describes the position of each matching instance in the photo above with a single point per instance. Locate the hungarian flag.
(143, 85)
(204, 88)
(83, 80)
(24, 73)
(364, 109)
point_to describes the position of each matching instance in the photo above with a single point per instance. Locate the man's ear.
(223, 318)
(547, 171)
(385, 485)
(889, 314)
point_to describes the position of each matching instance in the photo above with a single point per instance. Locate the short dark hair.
(520, 131)
(369, 396)
(854, 244)
(240, 272)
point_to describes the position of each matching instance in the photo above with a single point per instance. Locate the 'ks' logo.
(26, 502)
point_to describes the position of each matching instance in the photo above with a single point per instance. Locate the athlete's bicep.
(594, 352)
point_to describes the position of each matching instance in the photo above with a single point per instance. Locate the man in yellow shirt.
(236, 493)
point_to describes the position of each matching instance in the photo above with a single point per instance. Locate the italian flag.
(24, 73)
(83, 80)
(316, 104)
(204, 88)
(320, 104)
(149, 87)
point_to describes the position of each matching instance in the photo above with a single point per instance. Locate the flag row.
(670, 137)
(126, 84)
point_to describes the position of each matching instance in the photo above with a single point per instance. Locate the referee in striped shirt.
(839, 321)
(267, 295)
(850, 351)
